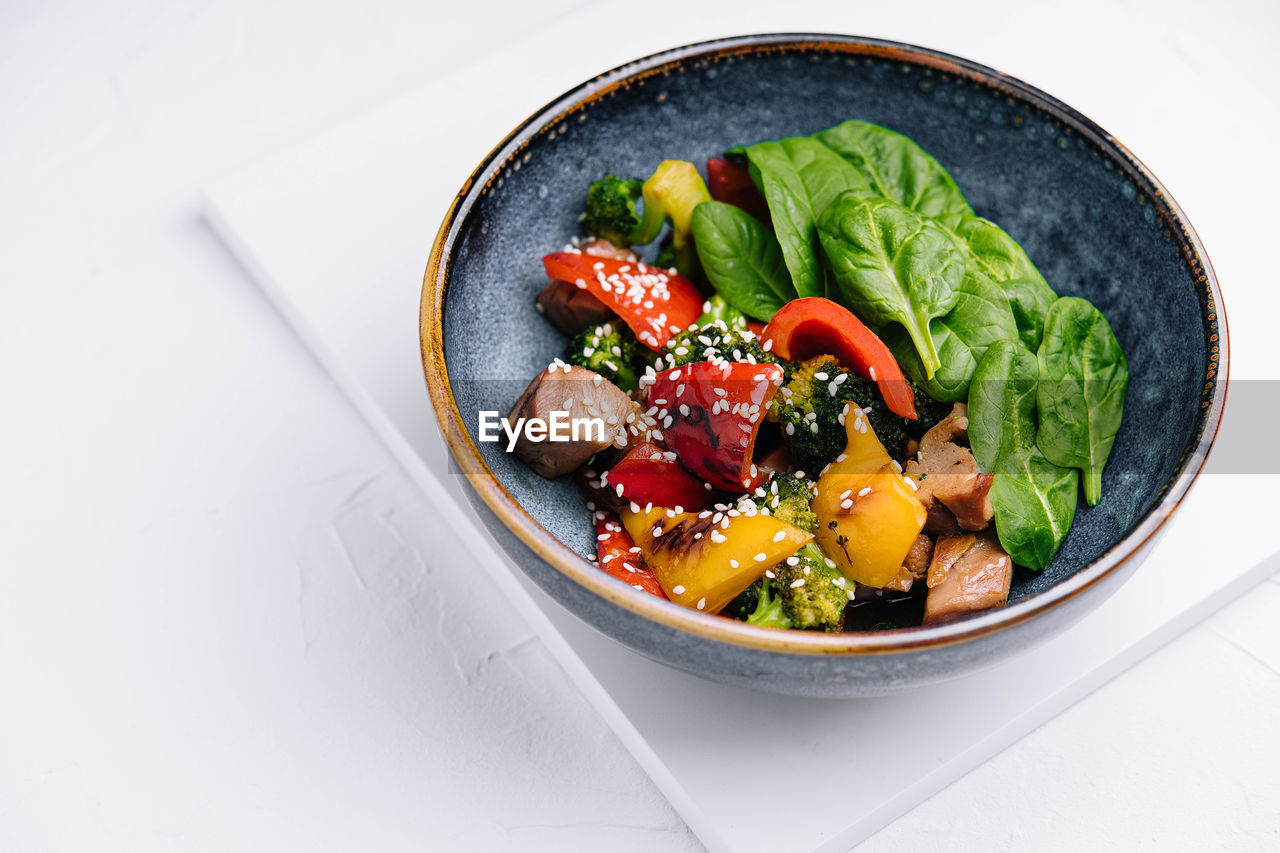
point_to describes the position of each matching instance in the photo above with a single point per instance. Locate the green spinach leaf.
(800, 177)
(742, 259)
(896, 167)
(981, 317)
(1083, 379)
(1034, 500)
(892, 265)
(998, 255)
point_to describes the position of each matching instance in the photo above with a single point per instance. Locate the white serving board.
(337, 232)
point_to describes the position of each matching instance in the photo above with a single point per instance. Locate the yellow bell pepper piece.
(674, 189)
(868, 514)
(703, 565)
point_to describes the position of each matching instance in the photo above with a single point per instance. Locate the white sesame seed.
(702, 602)
(761, 557)
(862, 493)
(733, 564)
(779, 536)
(796, 584)
(677, 589)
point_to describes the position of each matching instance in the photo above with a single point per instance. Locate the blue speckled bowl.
(1092, 217)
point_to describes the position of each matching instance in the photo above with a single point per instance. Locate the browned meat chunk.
(946, 473)
(938, 520)
(571, 308)
(602, 248)
(914, 566)
(969, 573)
(581, 395)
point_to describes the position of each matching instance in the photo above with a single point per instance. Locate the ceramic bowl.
(1092, 217)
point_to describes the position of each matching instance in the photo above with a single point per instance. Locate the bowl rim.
(720, 629)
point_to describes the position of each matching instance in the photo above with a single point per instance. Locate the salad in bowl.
(810, 389)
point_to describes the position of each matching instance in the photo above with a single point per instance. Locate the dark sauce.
(885, 612)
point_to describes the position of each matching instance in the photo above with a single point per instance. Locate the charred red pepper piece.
(650, 476)
(653, 302)
(731, 183)
(619, 557)
(710, 412)
(815, 326)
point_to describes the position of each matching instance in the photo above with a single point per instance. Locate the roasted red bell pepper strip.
(618, 556)
(649, 475)
(815, 326)
(731, 183)
(653, 302)
(709, 413)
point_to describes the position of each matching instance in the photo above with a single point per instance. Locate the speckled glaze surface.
(1095, 222)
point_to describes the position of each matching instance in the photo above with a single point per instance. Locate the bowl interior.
(1087, 219)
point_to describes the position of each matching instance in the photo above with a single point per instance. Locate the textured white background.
(226, 619)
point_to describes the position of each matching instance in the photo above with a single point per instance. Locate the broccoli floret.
(812, 590)
(808, 408)
(712, 341)
(611, 209)
(672, 192)
(611, 350)
(716, 309)
(769, 611)
(787, 498)
(805, 591)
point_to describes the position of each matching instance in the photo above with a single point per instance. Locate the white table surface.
(192, 658)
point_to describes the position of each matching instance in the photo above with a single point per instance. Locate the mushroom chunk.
(581, 395)
(969, 573)
(571, 308)
(949, 482)
(914, 566)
